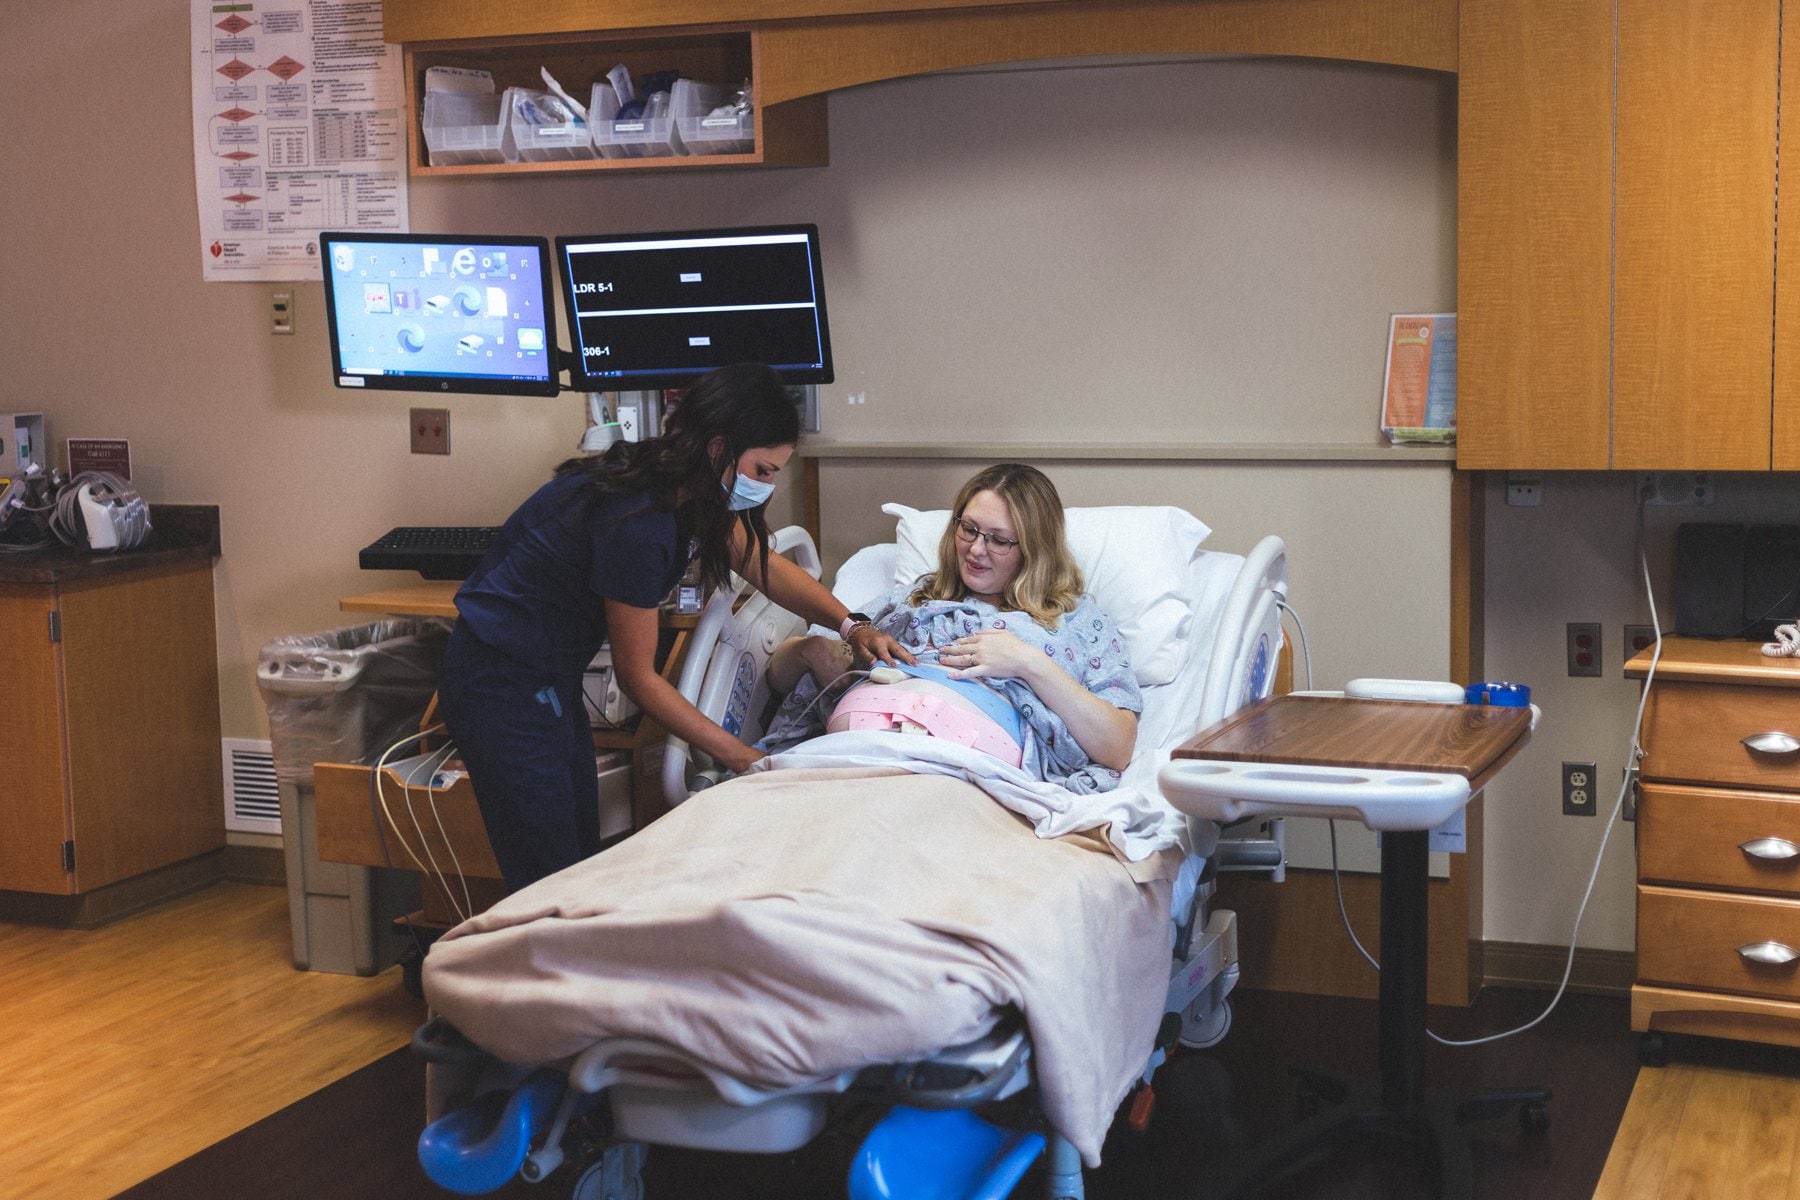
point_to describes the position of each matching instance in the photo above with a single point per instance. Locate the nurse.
(588, 559)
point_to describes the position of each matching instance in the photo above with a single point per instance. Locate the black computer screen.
(440, 313)
(659, 310)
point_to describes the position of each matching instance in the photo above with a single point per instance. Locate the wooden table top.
(437, 598)
(1396, 735)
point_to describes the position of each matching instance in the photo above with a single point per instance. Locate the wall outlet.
(1524, 491)
(1584, 648)
(281, 312)
(430, 430)
(1578, 789)
(1637, 639)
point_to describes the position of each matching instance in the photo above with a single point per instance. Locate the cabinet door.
(1695, 267)
(33, 796)
(1534, 203)
(141, 675)
(1784, 450)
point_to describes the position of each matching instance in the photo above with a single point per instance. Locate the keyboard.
(434, 551)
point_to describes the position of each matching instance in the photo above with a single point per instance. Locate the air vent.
(252, 804)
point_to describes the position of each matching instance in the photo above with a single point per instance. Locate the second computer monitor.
(659, 310)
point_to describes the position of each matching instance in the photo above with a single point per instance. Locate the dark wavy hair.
(745, 406)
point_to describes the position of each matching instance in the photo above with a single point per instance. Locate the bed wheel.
(618, 1175)
(1207, 1030)
(1653, 1049)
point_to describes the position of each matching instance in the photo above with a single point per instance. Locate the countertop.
(179, 533)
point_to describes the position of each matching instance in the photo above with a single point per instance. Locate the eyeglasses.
(998, 546)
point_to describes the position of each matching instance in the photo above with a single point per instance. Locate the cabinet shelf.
(788, 134)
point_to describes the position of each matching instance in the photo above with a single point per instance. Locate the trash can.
(344, 695)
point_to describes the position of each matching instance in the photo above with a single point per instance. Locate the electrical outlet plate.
(1637, 638)
(281, 312)
(430, 430)
(1524, 491)
(1675, 487)
(1584, 648)
(1578, 789)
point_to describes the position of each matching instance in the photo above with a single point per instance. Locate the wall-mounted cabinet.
(1616, 239)
(454, 133)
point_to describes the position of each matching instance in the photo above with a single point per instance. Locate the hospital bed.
(1209, 623)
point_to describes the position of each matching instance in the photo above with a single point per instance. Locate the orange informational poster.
(1418, 395)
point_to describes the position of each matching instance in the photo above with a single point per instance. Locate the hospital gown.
(1085, 643)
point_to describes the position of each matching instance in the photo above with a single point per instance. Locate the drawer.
(1693, 733)
(1698, 837)
(1693, 940)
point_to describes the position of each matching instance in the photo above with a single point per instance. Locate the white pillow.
(1135, 561)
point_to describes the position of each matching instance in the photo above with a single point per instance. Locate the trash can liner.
(345, 695)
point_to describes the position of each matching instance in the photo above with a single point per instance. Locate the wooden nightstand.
(1718, 912)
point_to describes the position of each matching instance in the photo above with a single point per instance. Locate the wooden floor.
(183, 1036)
(1722, 1119)
(126, 1049)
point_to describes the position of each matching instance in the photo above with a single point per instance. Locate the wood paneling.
(131, 1047)
(33, 796)
(146, 780)
(1534, 169)
(1695, 232)
(1784, 449)
(801, 58)
(434, 20)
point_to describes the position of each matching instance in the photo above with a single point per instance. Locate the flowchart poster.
(299, 126)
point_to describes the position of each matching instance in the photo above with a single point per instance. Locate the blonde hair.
(1048, 583)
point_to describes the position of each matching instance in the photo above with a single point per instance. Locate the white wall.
(1194, 251)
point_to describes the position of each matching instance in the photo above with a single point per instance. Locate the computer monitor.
(440, 313)
(658, 310)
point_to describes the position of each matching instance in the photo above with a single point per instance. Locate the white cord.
(1305, 649)
(1636, 754)
(387, 813)
(430, 770)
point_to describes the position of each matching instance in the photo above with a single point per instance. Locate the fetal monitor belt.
(996, 706)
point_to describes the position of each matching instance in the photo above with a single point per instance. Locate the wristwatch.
(851, 622)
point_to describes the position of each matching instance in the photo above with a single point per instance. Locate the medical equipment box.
(21, 442)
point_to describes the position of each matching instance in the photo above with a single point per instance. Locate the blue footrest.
(942, 1155)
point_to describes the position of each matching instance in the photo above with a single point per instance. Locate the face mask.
(748, 493)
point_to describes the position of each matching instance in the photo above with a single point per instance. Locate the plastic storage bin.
(560, 142)
(643, 137)
(718, 135)
(344, 695)
(467, 127)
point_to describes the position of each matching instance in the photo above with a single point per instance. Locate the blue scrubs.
(509, 686)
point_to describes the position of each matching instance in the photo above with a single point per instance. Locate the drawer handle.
(1773, 742)
(1768, 954)
(1772, 848)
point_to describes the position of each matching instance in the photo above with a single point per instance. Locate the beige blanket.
(794, 924)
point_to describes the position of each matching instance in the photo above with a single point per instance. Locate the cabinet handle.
(1773, 742)
(1772, 848)
(1768, 954)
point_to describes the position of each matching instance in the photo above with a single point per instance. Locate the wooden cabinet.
(110, 740)
(1616, 237)
(787, 134)
(1718, 943)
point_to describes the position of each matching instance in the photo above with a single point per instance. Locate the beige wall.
(1201, 251)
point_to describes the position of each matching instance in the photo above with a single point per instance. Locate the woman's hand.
(992, 653)
(740, 762)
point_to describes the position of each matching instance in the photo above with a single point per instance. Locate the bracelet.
(852, 623)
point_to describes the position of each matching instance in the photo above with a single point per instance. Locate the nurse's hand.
(871, 644)
(743, 762)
